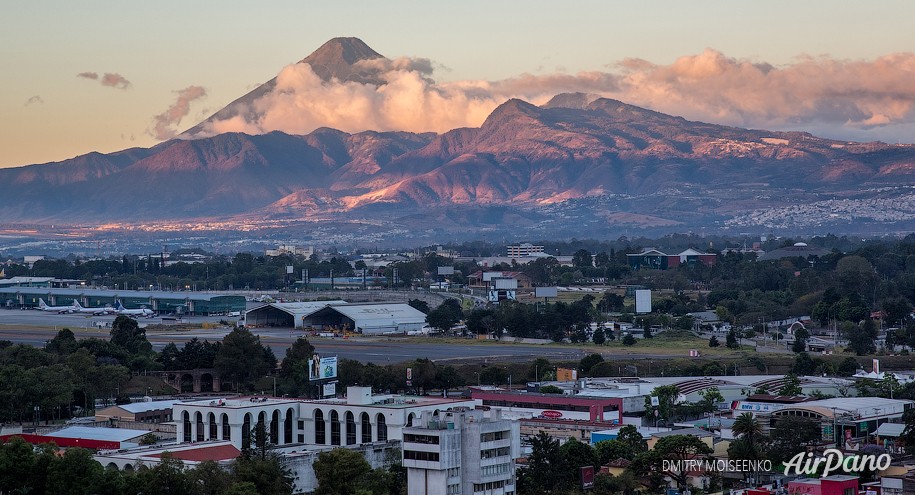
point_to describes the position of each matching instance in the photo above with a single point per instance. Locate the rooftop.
(93, 433)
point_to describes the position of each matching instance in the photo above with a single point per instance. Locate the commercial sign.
(322, 368)
(330, 389)
(551, 414)
(587, 477)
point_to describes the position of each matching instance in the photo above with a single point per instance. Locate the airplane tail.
(77, 305)
(118, 306)
(41, 303)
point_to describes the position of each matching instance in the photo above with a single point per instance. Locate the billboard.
(587, 477)
(504, 283)
(545, 292)
(322, 368)
(643, 301)
(446, 270)
(329, 389)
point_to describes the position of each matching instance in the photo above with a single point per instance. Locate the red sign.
(587, 477)
(551, 414)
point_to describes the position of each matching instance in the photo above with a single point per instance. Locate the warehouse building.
(191, 303)
(369, 319)
(365, 318)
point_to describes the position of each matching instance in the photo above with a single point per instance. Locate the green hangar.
(187, 303)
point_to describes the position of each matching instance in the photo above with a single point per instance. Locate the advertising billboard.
(643, 301)
(546, 292)
(322, 368)
(329, 389)
(587, 477)
(446, 270)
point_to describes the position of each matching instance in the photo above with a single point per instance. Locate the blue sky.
(228, 47)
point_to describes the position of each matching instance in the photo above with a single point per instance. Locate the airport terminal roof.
(299, 309)
(151, 294)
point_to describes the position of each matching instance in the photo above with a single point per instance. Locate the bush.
(628, 340)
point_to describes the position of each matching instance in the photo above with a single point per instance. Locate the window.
(320, 428)
(494, 470)
(426, 439)
(493, 485)
(492, 437)
(382, 428)
(414, 455)
(366, 428)
(334, 428)
(849, 491)
(454, 489)
(454, 472)
(350, 428)
(490, 453)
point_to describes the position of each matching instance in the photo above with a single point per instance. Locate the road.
(35, 328)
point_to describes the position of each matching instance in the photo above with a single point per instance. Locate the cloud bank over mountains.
(847, 99)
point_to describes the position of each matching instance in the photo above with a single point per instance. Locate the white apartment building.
(461, 452)
(359, 418)
(523, 250)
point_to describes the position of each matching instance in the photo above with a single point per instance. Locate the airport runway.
(36, 328)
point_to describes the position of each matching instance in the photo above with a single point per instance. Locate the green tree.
(588, 362)
(668, 450)
(861, 339)
(75, 472)
(731, 340)
(127, 334)
(63, 343)
(792, 434)
(17, 460)
(243, 359)
(713, 341)
(445, 316)
(791, 386)
(209, 478)
(711, 397)
(420, 305)
(340, 472)
(168, 477)
(599, 337)
(550, 389)
(630, 437)
(667, 397)
(544, 471)
(294, 368)
(628, 340)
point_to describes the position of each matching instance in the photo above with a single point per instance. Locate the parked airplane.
(121, 310)
(60, 309)
(78, 308)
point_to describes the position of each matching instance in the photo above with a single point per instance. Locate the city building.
(657, 260)
(292, 250)
(485, 280)
(830, 485)
(847, 421)
(461, 452)
(359, 418)
(184, 302)
(799, 249)
(523, 250)
(158, 411)
(339, 316)
(517, 405)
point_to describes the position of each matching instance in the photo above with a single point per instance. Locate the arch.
(410, 419)
(436, 413)
(382, 426)
(111, 465)
(320, 427)
(212, 427)
(142, 467)
(206, 382)
(334, 428)
(246, 432)
(186, 423)
(288, 426)
(199, 420)
(226, 429)
(275, 427)
(366, 428)
(186, 383)
(128, 468)
(350, 428)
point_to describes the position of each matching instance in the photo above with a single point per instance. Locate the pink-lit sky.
(103, 76)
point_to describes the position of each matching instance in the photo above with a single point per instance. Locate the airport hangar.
(190, 303)
(365, 318)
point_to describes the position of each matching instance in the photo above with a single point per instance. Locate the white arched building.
(360, 418)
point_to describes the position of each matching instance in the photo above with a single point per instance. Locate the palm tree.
(747, 428)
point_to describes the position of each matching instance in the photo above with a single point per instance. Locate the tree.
(243, 359)
(800, 340)
(493, 375)
(75, 472)
(544, 470)
(582, 258)
(848, 367)
(420, 305)
(861, 339)
(340, 472)
(209, 478)
(713, 341)
(662, 459)
(791, 386)
(628, 340)
(793, 434)
(731, 340)
(294, 368)
(550, 389)
(711, 397)
(166, 478)
(588, 362)
(667, 397)
(599, 337)
(630, 437)
(445, 316)
(748, 430)
(63, 343)
(127, 334)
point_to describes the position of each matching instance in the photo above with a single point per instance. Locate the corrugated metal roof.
(384, 314)
(141, 407)
(91, 433)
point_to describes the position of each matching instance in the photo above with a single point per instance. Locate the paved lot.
(35, 328)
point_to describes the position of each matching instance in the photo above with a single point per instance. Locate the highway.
(35, 328)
